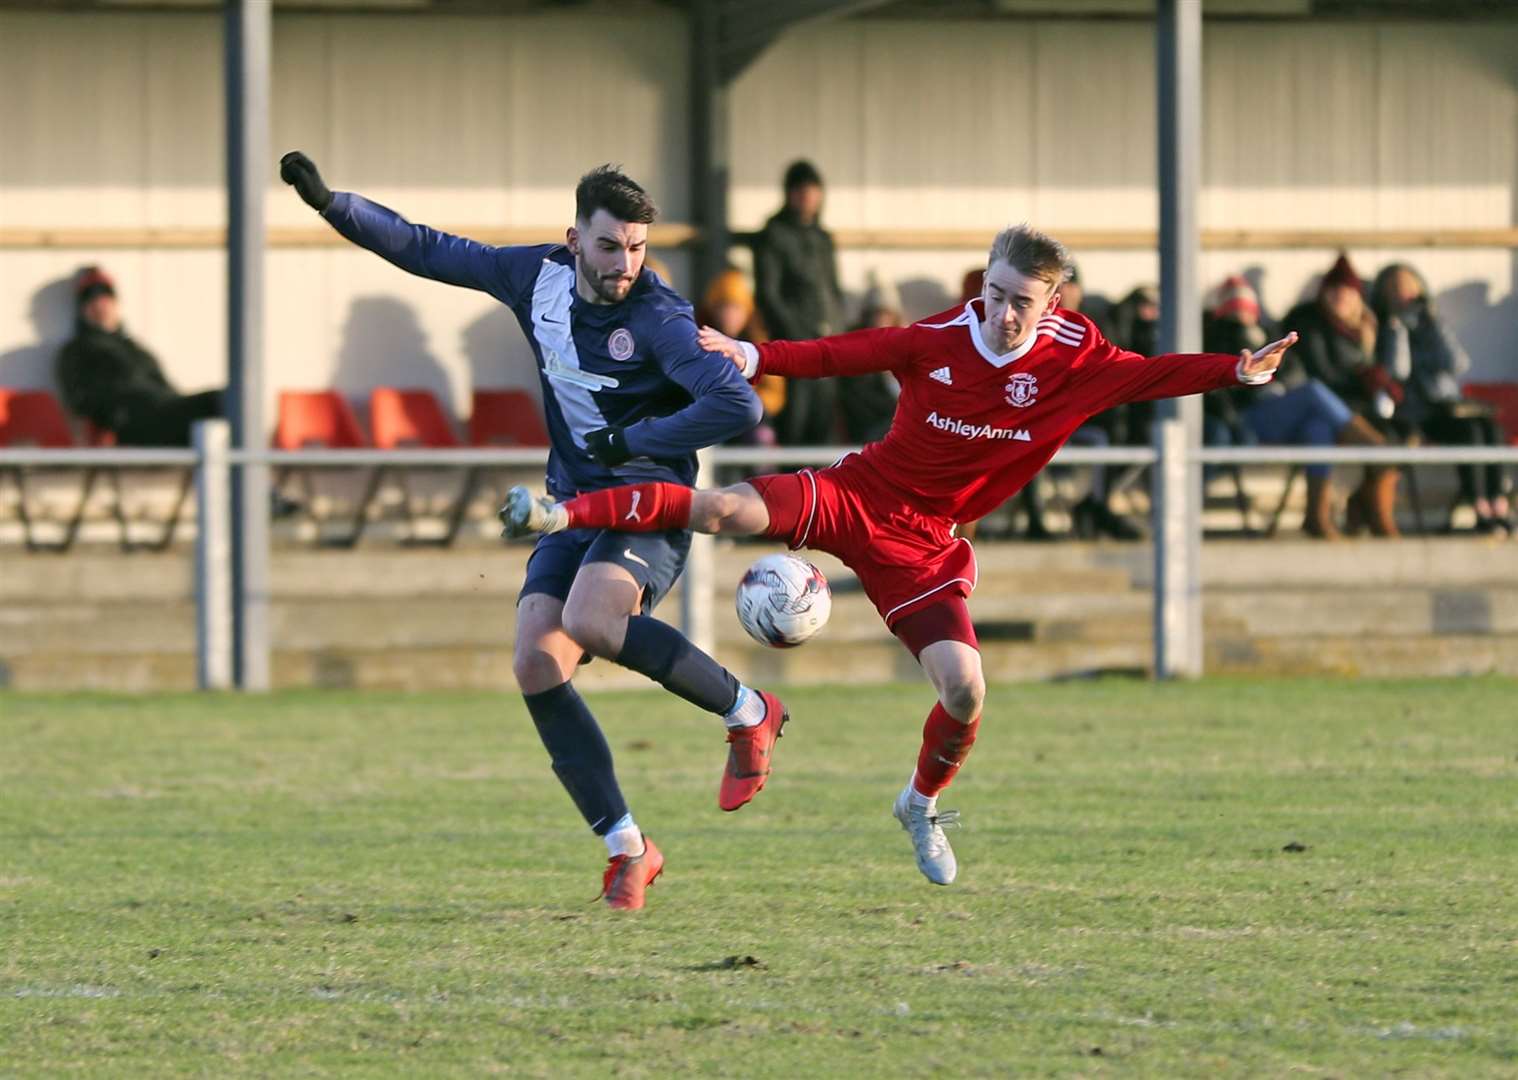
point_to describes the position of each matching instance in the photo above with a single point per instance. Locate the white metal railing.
(213, 461)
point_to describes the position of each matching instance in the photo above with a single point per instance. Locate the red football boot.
(748, 755)
(627, 876)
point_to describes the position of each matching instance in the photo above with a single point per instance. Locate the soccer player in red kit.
(989, 392)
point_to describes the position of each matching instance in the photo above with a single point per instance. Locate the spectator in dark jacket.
(1336, 346)
(1293, 410)
(1417, 348)
(796, 279)
(113, 382)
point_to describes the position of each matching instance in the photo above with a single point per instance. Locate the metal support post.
(247, 75)
(1178, 428)
(213, 556)
(698, 597)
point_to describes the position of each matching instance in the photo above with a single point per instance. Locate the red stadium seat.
(317, 418)
(506, 418)
(1503, 397)
(33, 418)
(323, 418)
(409, 418)
(414, 418)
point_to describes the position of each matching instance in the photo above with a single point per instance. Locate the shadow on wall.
(52, 316)
(498, 353)
(1489, 331)
(384, 345)
(921, 297)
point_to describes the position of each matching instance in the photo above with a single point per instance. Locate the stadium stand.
(35, 418)
(323, 418)
(401, 418)
(1503, 397)
(505, 418)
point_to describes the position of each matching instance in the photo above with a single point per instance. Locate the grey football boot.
(526, 514)
(935, 858)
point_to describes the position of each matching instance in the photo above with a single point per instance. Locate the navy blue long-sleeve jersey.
(635, 365)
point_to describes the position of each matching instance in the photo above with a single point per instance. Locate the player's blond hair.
(1031, 253)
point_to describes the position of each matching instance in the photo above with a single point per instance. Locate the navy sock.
(581, 759)
(662, 653)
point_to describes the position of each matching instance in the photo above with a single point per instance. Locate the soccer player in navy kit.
(629, 396)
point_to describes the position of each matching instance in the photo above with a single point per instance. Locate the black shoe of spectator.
(1092, 519)
(280, 506)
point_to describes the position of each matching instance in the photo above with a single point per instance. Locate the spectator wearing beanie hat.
(110, 380)
(1336, 346)
(1295, 410)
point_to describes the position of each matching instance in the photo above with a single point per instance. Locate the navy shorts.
(653, 559)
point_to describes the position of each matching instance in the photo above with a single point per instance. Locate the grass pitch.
(1249, 878)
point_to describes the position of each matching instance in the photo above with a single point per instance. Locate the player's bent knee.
(963, 698)
(536, 671)
(594, 632)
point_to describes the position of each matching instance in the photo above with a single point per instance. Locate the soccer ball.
(783, 600)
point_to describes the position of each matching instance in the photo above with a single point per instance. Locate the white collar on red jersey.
(972, 320)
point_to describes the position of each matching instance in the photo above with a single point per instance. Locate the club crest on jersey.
(1022, 389)
(620, 344)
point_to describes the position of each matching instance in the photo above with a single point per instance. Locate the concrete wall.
(115, 120)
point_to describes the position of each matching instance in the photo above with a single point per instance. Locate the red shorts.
(906, 560)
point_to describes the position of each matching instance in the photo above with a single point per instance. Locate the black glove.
(608, 445)
(298, 170)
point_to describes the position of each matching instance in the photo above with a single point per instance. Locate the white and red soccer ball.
(783, 600)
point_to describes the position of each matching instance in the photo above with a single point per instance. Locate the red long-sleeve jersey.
(973, 427)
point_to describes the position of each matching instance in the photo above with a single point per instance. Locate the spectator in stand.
(729, 303)
(1417, 348)
(111, 381)
(1293, 411)
(796, 276)
(868, 402)
(1093, 516)
(1336, 346)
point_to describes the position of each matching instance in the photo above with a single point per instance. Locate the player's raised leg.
(944, 641)
(543, 660)
(604, 615)
(649, 507)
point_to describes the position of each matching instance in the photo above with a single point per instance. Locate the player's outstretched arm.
(417, 249)
(1112, 376)
(857, 353)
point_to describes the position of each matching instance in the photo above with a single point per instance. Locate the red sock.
(651, 507)
(945, 744)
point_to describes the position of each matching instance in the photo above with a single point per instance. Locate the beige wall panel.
(1094, 111)
(923, 165)
(73, 127)
(800, 99)
(1290, 137)
(1447, 125)
(184, 123)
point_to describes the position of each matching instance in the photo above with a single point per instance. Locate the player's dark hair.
(609, 188)
(800, 173)
(1031, 253)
